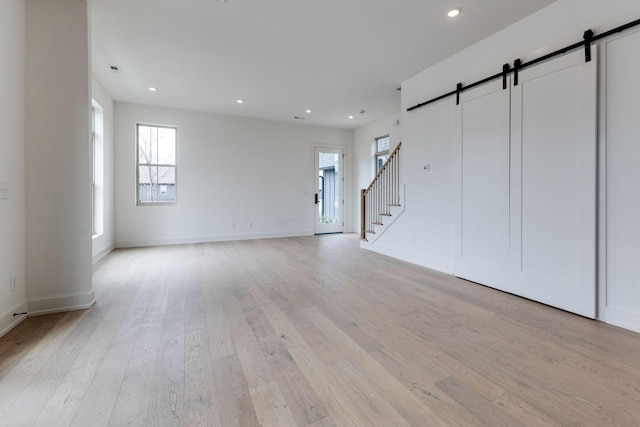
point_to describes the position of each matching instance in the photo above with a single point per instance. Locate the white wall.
(424, 234)
(57, 153)
(230, 171)
(12, 227)
(104, 242)
(364, 152)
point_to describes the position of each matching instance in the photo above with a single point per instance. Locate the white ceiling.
(336, 57)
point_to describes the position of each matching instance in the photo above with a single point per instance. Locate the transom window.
(156, 164)
(382, 151)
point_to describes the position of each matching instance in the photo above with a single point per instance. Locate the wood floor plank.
(522, 411)
(422, 384)
(427, 343)
(166, 405)
(54, 377)
(377, 409)
(480, 408)
(17, 379)
(333, 396)
(97, 404)
(325, 422)
(232, 394)
(13, 346)
(271, 407)
(132, 404)
(310, 331)
(302, 401)
(381, 380)
(201, 407)
(254, 365)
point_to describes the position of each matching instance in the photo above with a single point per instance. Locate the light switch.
(4, 190)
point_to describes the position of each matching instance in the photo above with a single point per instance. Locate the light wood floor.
(315, 332)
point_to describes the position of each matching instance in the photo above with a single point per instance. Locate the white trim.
(101, 254)
(8, 321)
(433, 264)
(317, 226)
(208, 239)
(60, 304)
(622, 319)
(158, 165)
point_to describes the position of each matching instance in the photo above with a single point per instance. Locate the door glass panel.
(328, 188)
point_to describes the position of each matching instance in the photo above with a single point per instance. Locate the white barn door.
(619, 296)
(553, 183)
(481, 180)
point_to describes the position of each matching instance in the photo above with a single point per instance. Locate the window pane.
(383, 144)
(166, 146)
(167, 177)
(147, 184)
(146, 145)
(154, 145)
(381, 160)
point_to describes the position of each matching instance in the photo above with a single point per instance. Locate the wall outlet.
(250, 225)
(12, 284)
(426, 167)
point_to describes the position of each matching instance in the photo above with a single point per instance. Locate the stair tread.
(394, 204)
(385, 214)
(377, 223)
(371, 231)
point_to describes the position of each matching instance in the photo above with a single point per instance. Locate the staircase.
(383, 201)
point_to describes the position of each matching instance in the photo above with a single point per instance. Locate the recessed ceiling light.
(239, 101)
(350, 117)
(152, 89)
(308, 111)
(454, 12)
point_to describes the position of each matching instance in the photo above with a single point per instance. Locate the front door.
(329, 203)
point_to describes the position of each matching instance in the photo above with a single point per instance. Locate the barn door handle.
(316, 198)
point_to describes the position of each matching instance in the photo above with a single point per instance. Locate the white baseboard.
(101, 254)
(8, 321)
(60, 304)
(622, 319)
(209, 239)
(433, 264)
